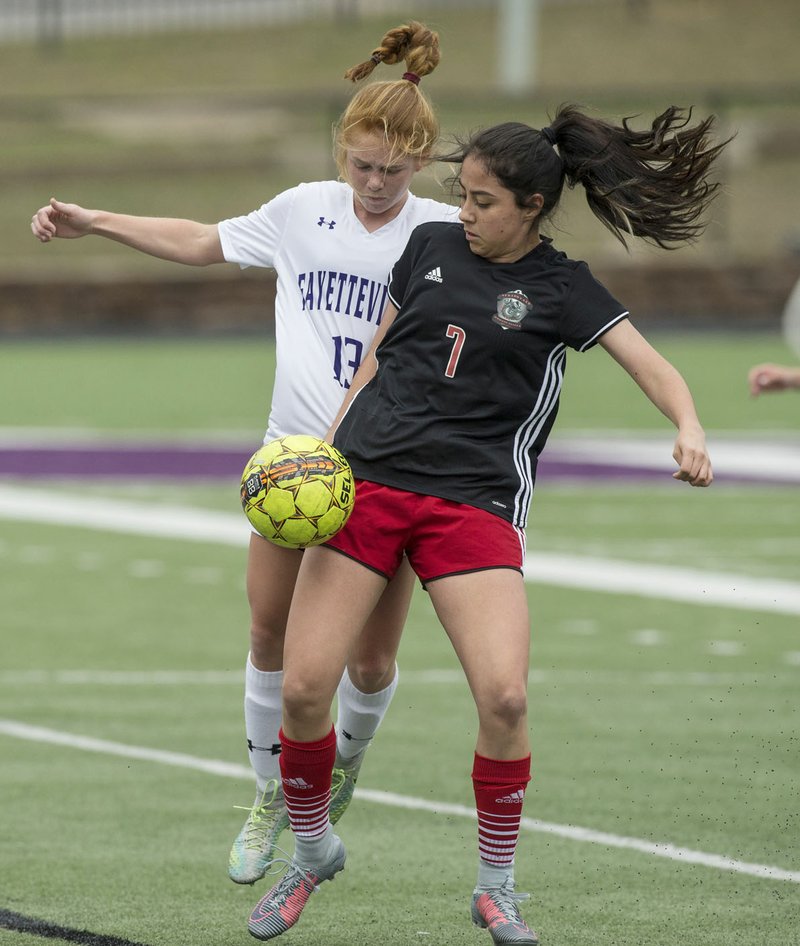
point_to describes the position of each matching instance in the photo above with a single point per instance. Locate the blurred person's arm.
(770, 377)
(180, 241)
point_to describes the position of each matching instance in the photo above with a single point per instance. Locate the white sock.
(262, 722)
(314, 852)
(493, 875)
(359, 715)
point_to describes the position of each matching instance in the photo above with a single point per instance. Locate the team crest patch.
(512, 307)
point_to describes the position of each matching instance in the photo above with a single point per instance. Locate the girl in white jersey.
(332, 245)
(453, 406)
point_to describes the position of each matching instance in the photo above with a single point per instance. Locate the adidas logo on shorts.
(435, 275)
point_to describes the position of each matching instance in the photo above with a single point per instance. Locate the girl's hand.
(57, 219)
(692, 457)
(771, 377)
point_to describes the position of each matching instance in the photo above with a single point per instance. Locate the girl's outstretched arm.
(665, 387)
(177, 240)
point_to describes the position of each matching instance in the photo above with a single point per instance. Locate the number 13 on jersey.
(347, 354)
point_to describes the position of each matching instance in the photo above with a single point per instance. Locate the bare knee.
(306, 706)
(267, 635)
(505, 709)
(371, 665)
(371, 673)
(271, 576)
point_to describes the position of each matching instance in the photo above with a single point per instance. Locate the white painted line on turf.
(607, 575)
(113, 515)
(673, 852)
(575, 833)
(53, 737)
(580, 678)
(720, 589)
(122, 677)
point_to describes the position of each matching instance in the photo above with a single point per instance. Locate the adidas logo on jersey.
(435, 275)
(515, 798)
(297, 783)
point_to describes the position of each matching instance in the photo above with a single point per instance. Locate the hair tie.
(377, 58)
(412, 77)
(548, 134)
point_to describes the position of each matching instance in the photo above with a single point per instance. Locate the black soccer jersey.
(470, 372)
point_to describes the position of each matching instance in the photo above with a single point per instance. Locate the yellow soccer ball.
(297, 491)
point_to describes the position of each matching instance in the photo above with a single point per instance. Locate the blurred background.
(205, 109)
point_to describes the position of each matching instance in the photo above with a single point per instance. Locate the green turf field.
(223, 385)
(665, 800)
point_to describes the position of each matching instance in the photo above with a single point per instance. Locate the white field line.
(443, 676)
(607, 575)
(570, 832)
(132, 518)
(720, 589)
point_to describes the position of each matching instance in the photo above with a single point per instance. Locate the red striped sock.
(499, 793)
(306, 769)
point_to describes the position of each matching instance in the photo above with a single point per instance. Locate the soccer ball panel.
(278, 503)
(330, 522)
(313, 498)
(298, 533)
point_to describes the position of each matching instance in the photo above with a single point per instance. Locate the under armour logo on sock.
(351, 738)
(274, 749)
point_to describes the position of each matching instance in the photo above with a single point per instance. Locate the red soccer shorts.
(439, 536)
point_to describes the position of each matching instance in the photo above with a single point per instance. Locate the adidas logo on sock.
(435, 275)
(297, 783)
(515, 798)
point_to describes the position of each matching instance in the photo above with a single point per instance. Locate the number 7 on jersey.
(458, 335)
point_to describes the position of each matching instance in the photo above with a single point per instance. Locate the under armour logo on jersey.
(274, 749)
(435, 275)
(297, 783)
(322, 222)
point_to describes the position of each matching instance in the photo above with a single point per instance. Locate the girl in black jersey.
(443, 427)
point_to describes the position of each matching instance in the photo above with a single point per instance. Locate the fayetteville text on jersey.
(345, 293)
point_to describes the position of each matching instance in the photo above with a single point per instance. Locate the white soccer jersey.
(331, 290)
